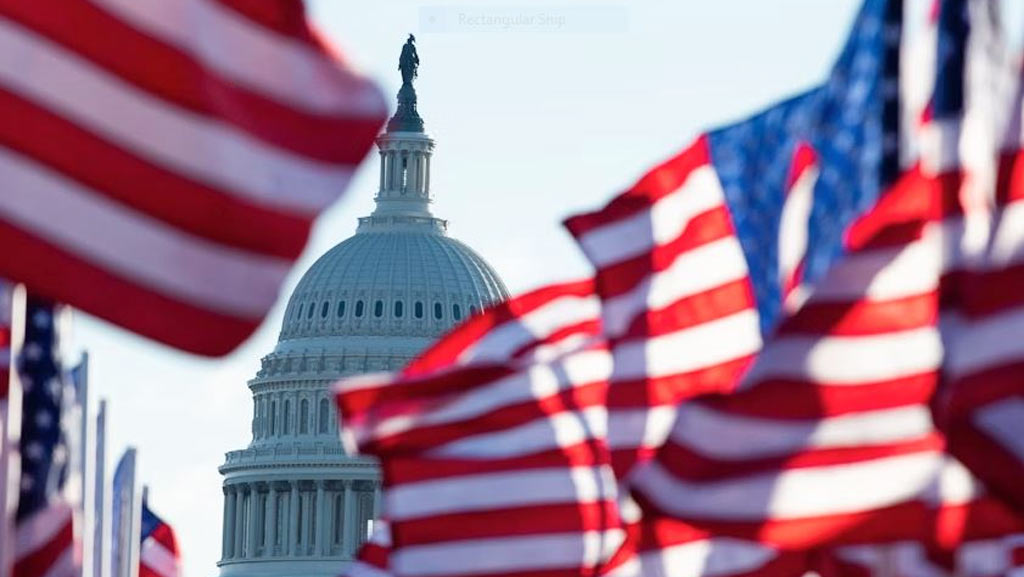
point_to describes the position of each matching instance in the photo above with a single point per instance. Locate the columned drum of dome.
(294, 503)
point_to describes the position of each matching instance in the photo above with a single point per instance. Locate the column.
(254, 521)
(270, 527)
(383, 174)
(422, 178)
(348, 511)
(327, 537)
(376, 500)
(396, 171)
(239, 520)
(229, 522)
(426, 189)
(307, 522)
(293, 520)
(414, 173)
(321, 518)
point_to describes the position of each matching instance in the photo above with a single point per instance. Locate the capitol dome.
(295, 504)
(390, 280)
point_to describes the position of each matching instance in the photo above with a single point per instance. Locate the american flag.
(166, 158)
(824, 434)
(492, 445)
(693, 267)
(158, 553)
(45, 531)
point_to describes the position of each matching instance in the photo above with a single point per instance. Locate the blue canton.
(851, 122)
(44, 452)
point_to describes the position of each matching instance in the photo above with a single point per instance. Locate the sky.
(540, 110)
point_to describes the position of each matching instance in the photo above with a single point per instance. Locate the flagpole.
(10, 435)
(88, 515)
(126, 519)
(99, 506)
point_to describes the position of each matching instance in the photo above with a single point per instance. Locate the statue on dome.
(406, 119)
(409, 62)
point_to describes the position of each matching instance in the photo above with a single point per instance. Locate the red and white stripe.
(496, 466)
(372, 560)
(793, 225)
(675, 334)
(158, 554)
(239, 120)
(982, 404)
(500, 473)
(665, 547)
(838, 399)
(535, 326)
(44, 543)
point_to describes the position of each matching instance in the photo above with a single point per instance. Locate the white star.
(33, 351)
(41, 319)
(55, 388)
(44, 420)
(34, 451)
(60, 455)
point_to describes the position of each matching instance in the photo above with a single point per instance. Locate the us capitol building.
(294, 503)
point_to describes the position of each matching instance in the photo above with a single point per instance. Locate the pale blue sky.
(533, 122)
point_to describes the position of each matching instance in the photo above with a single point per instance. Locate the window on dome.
(378, 309)
(399, 309)
(287, 418)
(438, 311)
(323, 310)
(472, 310)
(418, 310)
(359, 309)
(310, 311)
(341, 309)
(273, 417)
(457, 312)
(304, 417)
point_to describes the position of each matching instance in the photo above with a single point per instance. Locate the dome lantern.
(403, 195)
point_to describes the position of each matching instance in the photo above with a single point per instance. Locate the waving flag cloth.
(45, 532)
(158, 553)
(829, 437)
(372, 559)
(496, 466)
(693, 268)
(237, 121)
(981, 407)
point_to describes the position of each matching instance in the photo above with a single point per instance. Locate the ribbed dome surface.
(391, 282)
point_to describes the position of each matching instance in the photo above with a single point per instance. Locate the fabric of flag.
(6, 318)
(497, 465)
(688, 259)
(45, 538)
(829, 436)
(165, 159)
(372, 560)
(981, 406)
(158, 552)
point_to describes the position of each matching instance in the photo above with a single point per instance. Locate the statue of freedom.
(409, 62)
